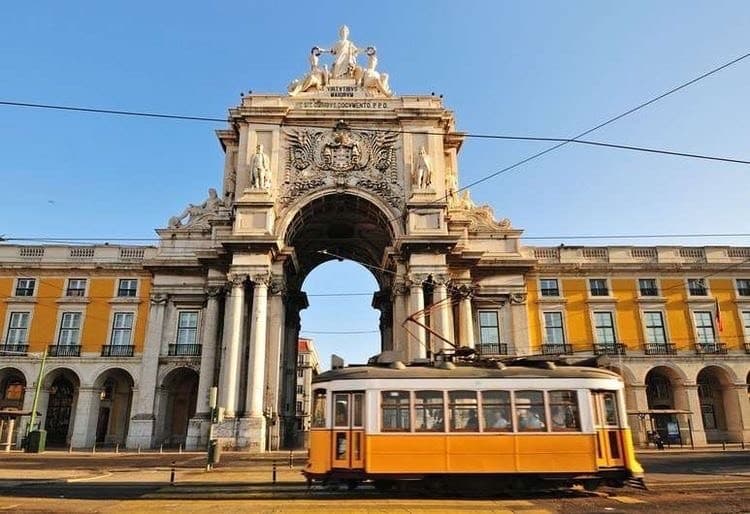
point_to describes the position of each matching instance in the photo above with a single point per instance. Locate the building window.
(300, 373)
(655, 332)
(743, 286)
(70, 329)
(14, 390)
(549, 287)
(704, 327)
(122, 328)
(128, 287)
(489, 329)
(76, 287)
(25, 286)
(605, 327)
(553, 328)
(598, 287)
(647, 287)
(17, 328)
(300, 408)
(746, 323)
(300, 389)
(187, 327)
(697, 287)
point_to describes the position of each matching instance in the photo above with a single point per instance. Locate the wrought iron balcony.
(609, 349)
(64, 350)
(714, 348)
(660, 349)
(556, 348)
(184, 350)
(491, 349)
(14, 348)
(117, 350)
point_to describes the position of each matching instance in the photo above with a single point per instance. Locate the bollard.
(291, 460)
(179, 448)
(171, 477)
(93, 448)
(723, 445)
(139, 449)
(742, 443)
(273, 473)
(161, 448)
(70, 448)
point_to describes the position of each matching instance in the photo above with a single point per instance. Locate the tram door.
(348, 430)
(608, 433)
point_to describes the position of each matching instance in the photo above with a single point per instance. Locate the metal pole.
(690, 429)
(36, 394)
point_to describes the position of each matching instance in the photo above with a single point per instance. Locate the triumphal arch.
(337, 167)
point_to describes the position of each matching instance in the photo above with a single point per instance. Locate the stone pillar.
(638, 424)
(520, 338)
(274, 366)
(230, 365)
(141, 430)
(693, 405)
(465, 321)
(295, 302)
(257, 357)
(381, 301)
(417, 340)
(86, 415)
(441, 315)
(400, 300)
(738, 412)
(9, 435)
(198, 427)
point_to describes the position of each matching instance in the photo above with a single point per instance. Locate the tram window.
(358, 409)
(530, 416)
(341, 415)
(463, 411)
(319, 409)
(395, 410)
(429, 411)
(563, 408)
(496, 411)
(610, 409)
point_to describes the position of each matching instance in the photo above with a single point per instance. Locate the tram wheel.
(591, 484)
(351, 485)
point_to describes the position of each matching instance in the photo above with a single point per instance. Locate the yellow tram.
(444, 425)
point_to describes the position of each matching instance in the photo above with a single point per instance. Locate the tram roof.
(462, 371)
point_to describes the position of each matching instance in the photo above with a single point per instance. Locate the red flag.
(719, 324)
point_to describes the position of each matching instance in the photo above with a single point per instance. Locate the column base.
(242, 434)
(197, 433)
(140, 433)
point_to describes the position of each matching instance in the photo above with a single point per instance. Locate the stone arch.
(112, 406)
(13, 386)
(628, 377)
(719, 409)
(666, 391)
(61, 386)
(177, 399)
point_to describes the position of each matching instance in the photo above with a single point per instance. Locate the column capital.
(416, 279)
(517, 298)
(399, 288)
(462, 290)
(159, 298)
(214, 291)
(237, 279)
(277, 285)
(261, 279)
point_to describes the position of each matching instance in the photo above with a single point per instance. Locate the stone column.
(694, 405)
(230, 365)
(441, 315)
(9, 435)
(257, 357)
(639, 425)
(521, 343)
(86, 415)
(274, 367)
(465, 319)
(198, 426)
(738, 418)
(381, 301)
(295, 302)
(399, 298)
(417, 339)
(141, 430)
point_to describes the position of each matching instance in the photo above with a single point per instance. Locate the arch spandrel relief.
(343, 159)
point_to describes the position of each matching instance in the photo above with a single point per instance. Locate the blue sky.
(539, 68)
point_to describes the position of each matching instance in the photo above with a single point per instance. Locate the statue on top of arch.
(344, 66)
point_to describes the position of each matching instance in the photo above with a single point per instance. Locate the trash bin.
(37, 441)
(214, 451)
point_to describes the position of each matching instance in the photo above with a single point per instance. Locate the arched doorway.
(179, 396)
(665, 392)
(12, 389)
(115, 388)
(719, 417)
(63, 391)
(335, 227)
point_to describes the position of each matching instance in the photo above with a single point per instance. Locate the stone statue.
(345, 53)
(422, 170)
(373, 80)
(260, 174)
(451, 186)
(317, 77)
(197, 214)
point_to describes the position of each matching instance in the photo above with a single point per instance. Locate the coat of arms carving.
(342, 158)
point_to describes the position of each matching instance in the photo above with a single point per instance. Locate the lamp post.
(37, 390)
